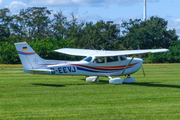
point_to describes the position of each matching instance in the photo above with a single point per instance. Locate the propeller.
(142, 64)
(143, 71)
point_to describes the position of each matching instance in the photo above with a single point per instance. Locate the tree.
(58, 25)
(74, 30)
(100, 34)
(5, 21)
(173, 56)
(147, 34)
(36, 21)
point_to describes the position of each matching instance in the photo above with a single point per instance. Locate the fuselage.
(91, 68)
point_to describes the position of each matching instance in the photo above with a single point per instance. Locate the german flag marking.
(24, 48)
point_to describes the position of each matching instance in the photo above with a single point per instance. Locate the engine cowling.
(92, 79)
(129, 80)
(116, 81)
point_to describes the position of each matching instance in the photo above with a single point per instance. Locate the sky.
(106, 10)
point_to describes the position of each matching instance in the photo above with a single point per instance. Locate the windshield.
(88, 59)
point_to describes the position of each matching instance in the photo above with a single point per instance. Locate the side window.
(123, 57)
(99, 60)
(112, 59)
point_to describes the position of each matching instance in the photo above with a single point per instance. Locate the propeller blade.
(143, 71)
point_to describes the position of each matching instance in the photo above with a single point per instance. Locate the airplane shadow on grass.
(148, 84)
(64, 85)
(154, 84)
(100, 82)
(50, 85)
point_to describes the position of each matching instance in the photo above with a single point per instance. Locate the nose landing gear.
(116, 81)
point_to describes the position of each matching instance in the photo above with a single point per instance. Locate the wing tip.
(160, 50)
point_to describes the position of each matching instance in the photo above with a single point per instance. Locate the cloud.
(174, 24)
(16, 6)
(81, 3)
(128, 2)
(94, 17)
(89, 18)
(1, 3)
(64, 3)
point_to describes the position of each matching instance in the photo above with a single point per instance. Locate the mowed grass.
(28, 96)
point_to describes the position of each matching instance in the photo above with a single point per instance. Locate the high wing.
(100, 53)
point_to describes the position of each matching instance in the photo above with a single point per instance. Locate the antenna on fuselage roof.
(102, 48)
(93, 47)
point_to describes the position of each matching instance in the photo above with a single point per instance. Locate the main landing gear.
(116, 81)
(92, 79)
(112, 80)
(129, 79)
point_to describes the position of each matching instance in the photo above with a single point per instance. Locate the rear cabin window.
(99, 60)
(123, 57)
(88, 59)
(112, 59)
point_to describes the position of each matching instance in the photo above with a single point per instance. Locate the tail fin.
(29, 58)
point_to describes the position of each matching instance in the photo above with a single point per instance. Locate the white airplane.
(96, 63)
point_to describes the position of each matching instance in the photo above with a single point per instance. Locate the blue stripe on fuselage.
(83, 69)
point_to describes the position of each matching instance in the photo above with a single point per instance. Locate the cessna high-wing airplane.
(96, 63)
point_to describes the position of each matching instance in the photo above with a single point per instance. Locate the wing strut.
(127, 65)
(143, 60)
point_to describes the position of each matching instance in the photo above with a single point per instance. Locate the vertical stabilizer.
(29, 58)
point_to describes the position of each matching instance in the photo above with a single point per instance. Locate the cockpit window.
(123, 57)
(112, 59)
(88, 59)
(99, 60)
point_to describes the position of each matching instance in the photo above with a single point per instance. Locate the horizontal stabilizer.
(41, 70)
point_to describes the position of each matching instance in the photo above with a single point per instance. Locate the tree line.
(45, 34)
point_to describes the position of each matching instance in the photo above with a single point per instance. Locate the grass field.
(28, 96)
